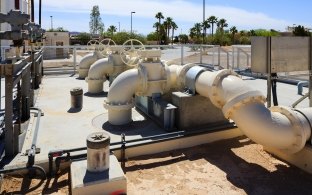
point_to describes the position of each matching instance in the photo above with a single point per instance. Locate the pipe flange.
(182, 73)
(241, 100)
(298, 128)
(118, 106)
(87, 79)
(218, 78)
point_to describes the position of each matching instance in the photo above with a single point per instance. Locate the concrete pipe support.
(86, 62)
(279, 127)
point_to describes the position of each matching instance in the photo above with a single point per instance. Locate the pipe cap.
(98, 140)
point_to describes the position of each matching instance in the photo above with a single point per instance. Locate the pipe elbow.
(87, 60)
(120, 97)
(99, 69)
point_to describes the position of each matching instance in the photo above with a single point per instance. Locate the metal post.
(238, 57)
(201, 54)
(131, 22)
(269, 80)
(9, 131)
(219, 55)
(75, 60)
(310, 74)
(233, 57)
(213, 53)
(227, 60)
(182, 55)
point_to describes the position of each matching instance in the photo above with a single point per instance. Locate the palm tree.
(206, 25)
(157, 26)
(233, 31)
(221, 24)
(159, 16)
(168, 21)
(112, 29)
(198, 28)
(174, 27)
(212, 20)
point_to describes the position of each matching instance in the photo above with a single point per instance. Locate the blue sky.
(74, 15)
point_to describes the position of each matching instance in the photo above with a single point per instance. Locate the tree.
(233, 31)
(111, 29)
(206, 25)
(159, 16)
(84, 38)
(221, 24)
(183, 38)
(169, 22)
(212, 20)
(174, 27)
(96, 25)
(301, 31)
(198, 29)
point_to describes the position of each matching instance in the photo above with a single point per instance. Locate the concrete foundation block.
(106, 182)
(195, 111)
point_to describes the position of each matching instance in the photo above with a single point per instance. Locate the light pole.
(203, 19)
(131, 21)
(51, 22)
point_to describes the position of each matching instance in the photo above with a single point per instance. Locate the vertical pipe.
(40, 6)
(17, 5)
(32, 11)
(75, 60)
(269, 80)
(213, 53)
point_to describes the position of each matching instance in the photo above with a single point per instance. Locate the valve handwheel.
(130, 53)
(92, 45)
(105, 46)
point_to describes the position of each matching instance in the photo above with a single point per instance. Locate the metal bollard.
(76, 97)
(98, 152)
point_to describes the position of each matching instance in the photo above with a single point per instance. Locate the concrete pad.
(107, 182)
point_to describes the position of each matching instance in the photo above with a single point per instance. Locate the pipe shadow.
(144, 128)
(251, 177)
(96, 95)
(74, 110)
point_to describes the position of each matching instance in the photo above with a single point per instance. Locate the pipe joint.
(182, 74)
(241, 100)
(216, 98)
(190, 78)
(298, 128)
(118, 106)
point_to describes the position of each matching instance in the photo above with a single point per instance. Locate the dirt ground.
(236, 166)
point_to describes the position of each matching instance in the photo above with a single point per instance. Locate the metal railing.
(65, 59)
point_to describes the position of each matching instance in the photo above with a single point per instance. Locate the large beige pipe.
(120, 97)
(278, 127)
(97, 75)
(86, 62)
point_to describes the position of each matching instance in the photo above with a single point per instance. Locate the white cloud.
(180, 10)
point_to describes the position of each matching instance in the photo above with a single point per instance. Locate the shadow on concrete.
(251, 177)
(74, 110)
(97, 95)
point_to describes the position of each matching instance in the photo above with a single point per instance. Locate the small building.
(56, 45)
